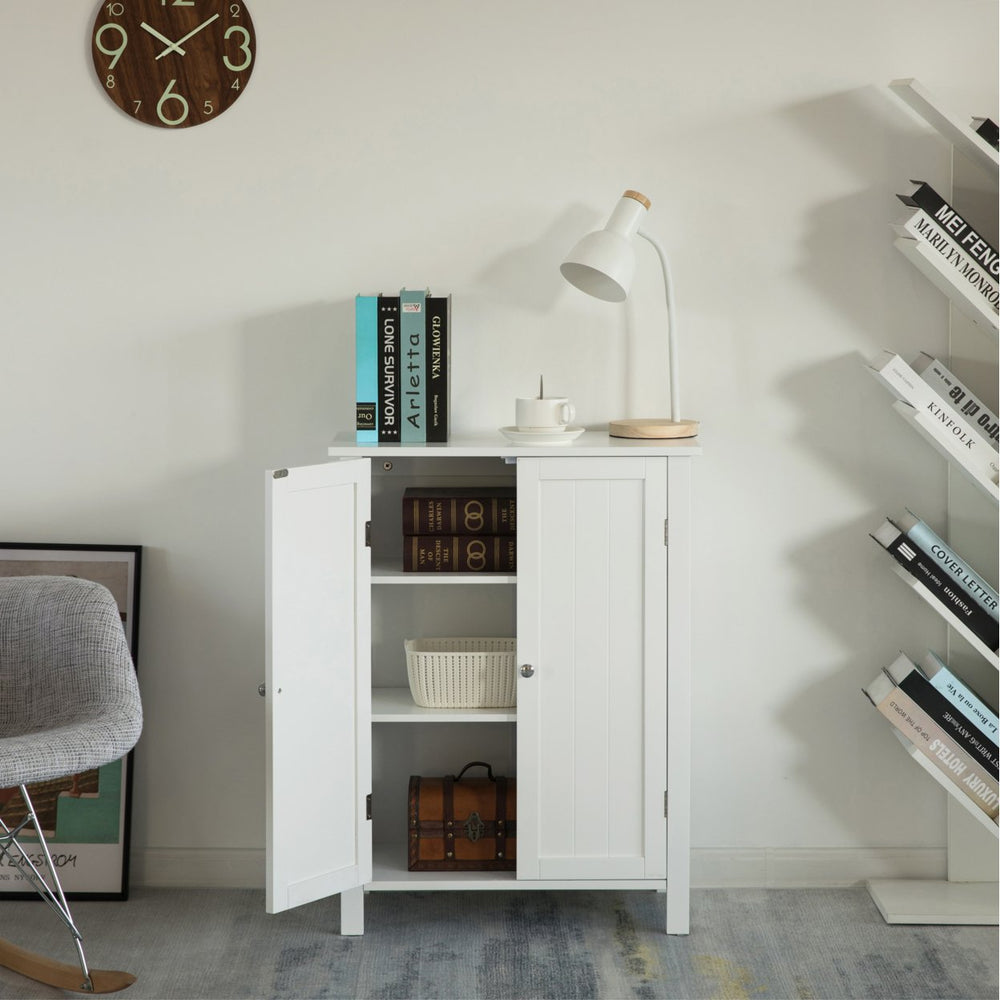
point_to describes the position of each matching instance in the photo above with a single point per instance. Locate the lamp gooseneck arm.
(675, 393)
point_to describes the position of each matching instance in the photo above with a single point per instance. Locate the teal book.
(366, 368)
(960, 695)
(412, 366)
(438, 367)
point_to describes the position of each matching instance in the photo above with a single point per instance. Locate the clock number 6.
(244, 48)
(168, 95)
(115, 53)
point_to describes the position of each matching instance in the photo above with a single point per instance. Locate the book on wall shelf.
(948, 280)
(987, 129)
(960, 694)
(939, 429)
(961, 398)
(955, 724)
(965, 776)
(964, 262)
(952, 565)
(402, 368)
(922, 574)
(935, 392)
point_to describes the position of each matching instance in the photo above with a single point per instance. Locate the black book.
(438, 367)
(953, 722)
(950, 595)
(987, 129)
(388, 368)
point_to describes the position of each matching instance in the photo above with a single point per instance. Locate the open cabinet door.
(317, 682)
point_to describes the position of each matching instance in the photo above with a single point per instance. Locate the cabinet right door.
(591, 700)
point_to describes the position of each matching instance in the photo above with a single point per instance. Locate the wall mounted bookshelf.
(969, 893)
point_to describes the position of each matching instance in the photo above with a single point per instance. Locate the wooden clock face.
(174, 63)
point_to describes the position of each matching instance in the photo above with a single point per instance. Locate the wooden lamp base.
(653, 428)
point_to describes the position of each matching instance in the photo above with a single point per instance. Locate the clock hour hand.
(171, 46)
(175, 46)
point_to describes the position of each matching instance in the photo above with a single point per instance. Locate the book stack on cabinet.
(403, 367)
(943, 710)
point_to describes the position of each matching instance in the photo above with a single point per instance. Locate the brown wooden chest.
(458, 823)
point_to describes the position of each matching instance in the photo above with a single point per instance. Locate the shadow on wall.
(847, 252)
(847, 425)
(297, 383)
(847, 584)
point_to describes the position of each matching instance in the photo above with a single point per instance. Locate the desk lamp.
(602, 264)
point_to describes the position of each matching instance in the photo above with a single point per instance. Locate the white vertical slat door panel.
(584, 733)
(318, 682)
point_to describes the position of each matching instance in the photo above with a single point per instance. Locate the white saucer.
(541, 436)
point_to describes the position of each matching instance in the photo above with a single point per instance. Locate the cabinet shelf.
(385, 574)
(390, 874)
(396, 704)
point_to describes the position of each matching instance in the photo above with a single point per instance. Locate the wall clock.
(174, 63)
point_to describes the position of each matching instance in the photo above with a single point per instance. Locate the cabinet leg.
(352, 911)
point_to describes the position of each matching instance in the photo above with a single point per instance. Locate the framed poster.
(86, 817)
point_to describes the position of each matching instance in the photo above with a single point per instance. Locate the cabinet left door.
(317, 681)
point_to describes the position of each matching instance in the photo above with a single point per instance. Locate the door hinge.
(665, 533)
(280, 474)
(664, 805)
(368, 806)
(368, 534)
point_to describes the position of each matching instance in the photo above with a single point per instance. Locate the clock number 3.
(244, 47)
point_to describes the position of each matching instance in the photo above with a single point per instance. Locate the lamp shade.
(602, 264)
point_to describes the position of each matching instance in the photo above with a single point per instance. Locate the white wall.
(176, 312)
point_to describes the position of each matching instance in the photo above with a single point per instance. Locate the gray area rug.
(807, 944)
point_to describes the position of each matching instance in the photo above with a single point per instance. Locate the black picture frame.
(93, 862)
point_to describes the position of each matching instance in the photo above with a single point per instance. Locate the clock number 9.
(169, 96)
(116, 53)
(244, 48)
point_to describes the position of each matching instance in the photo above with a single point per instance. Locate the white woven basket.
(461, 673)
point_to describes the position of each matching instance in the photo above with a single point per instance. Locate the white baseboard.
(722, 868)
(811, 868)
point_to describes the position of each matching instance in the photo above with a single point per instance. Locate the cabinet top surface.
(590, 443)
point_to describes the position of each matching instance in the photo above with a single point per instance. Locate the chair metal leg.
(52, 894)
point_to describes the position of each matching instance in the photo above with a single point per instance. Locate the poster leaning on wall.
(86, 817)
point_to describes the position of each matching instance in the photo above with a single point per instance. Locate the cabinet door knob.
(261, 690)
(527, 670)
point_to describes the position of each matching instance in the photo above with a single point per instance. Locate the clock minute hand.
(180, 41)
(171, 46)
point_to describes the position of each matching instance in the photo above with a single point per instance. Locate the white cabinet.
(600, 609)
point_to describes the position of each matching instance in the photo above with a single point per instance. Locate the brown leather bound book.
(459, 510)
(459, 554)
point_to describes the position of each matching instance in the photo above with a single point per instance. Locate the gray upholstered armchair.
(69, 702)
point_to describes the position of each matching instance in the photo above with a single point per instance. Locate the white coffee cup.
(550, 413)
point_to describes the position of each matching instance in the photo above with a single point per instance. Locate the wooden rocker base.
(61, 976)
